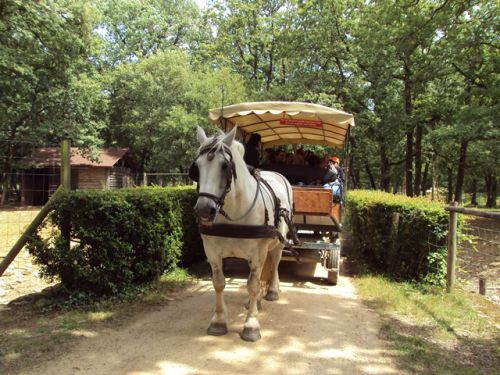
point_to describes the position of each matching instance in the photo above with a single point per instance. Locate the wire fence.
(25, 186)
(163, 179)
(478, 255)
(29, 176)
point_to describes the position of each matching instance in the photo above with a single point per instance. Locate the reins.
(224, 213)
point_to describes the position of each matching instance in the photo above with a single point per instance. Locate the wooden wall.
(37, 185)
(92, 178)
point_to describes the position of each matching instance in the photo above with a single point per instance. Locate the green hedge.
(119, 238)
(411, 246)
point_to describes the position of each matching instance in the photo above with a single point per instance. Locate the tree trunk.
(269, 77)
(395, 188)
(385, 172)
(450, 185)
(461, 171)
(354, 175)
(5, 188)
(7, 167)
(409, 163)
(473, 198)
(418, 159)
(283, 72)
(491, 190)
(409, 129)
(435, 179)
(370, 176)
(353, 170)
(424, 178)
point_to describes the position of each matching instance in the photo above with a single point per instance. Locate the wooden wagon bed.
(314, 208)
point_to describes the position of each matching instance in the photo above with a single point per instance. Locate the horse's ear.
(200, 135)
(229, 137)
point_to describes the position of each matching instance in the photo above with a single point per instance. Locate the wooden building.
(115, 168)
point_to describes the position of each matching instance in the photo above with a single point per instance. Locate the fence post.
(66, 184)
(66, 164)
(482, 285)
(452, 249)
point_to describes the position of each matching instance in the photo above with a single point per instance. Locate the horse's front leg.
(251, 328)
(218, 324)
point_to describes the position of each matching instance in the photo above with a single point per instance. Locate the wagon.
(318, 216)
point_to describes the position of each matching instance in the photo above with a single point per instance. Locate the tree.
(473, 54)
(134, 29)
(248, 35)
(49, 87)
(156, 104)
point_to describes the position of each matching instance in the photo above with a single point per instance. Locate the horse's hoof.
(272, 296)
(217, 329)
(250, 334)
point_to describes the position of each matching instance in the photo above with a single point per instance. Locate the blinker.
(194, 172)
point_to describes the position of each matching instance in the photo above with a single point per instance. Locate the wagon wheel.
(333, 263)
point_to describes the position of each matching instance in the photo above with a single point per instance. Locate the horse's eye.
(224, 166)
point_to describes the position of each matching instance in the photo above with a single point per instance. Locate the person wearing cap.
(334, 178)
(331, 171)
(252, 154)
(336, 163)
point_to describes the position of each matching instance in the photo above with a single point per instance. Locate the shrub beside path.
(313, 329)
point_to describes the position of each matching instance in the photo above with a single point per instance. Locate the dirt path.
(313, 329)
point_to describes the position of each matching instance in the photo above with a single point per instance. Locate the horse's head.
(214, 170)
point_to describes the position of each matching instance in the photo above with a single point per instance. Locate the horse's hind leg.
(218, 324)
(274, 283)
(251, 328)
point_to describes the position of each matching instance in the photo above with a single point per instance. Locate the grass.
(12, 224)
(46, 324)
(481, 201)
(435, 332)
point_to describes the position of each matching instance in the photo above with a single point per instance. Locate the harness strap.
(288, 216)
(240, 231)
(213, 197)
(288, 220)
(276, 201)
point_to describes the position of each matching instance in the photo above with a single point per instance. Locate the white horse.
(234, 208)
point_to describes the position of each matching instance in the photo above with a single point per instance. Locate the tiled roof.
(51, 156)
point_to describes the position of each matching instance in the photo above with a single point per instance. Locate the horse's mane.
(215, 144)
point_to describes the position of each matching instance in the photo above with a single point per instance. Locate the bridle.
(211, 149)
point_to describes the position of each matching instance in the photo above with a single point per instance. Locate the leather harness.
(238, 230)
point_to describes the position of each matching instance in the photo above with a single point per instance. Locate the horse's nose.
(205, 209)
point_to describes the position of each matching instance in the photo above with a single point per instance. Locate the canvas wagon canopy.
(286, 122)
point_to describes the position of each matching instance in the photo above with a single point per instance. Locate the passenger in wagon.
(280, 156)
(340, 170)
(299, 157)
(334, 178)
(252, 155)
(269, 158)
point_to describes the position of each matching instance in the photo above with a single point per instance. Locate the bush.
(404, 238)
(119, 238)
